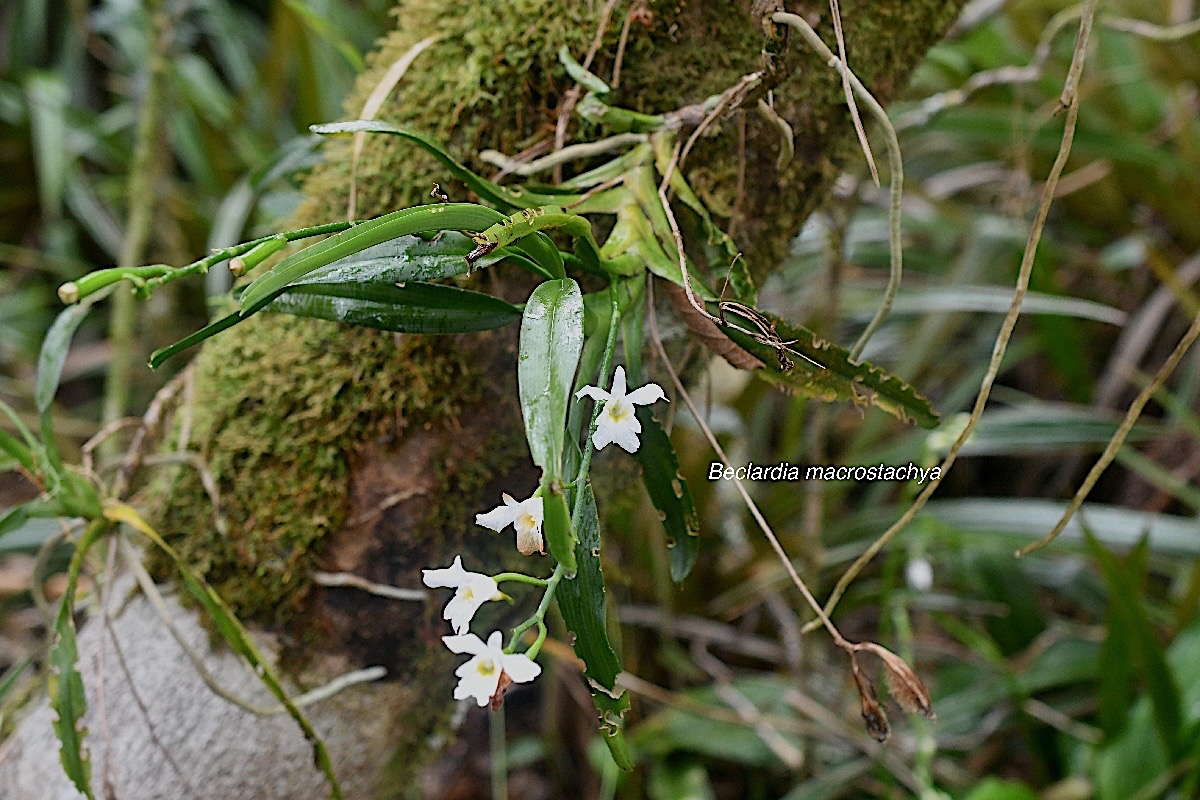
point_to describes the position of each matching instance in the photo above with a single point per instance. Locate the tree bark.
(350, 450)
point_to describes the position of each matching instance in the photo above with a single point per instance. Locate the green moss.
(280, 406)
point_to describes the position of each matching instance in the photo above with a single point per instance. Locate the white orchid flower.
(525, 516)
(618, 422)
(471, 590)
(491, 671)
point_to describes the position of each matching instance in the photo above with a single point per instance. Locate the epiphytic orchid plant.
(397, 272)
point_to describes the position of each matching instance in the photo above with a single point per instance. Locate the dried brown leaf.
(708, 333)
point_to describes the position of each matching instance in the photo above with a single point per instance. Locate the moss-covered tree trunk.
(339, 449)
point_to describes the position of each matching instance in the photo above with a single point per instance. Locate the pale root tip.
(68, 293)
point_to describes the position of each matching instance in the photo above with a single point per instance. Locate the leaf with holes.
(585, 611)
(863, 384)
(670, 494)
(67, 697)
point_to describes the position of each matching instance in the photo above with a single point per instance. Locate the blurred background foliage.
(1073, 673)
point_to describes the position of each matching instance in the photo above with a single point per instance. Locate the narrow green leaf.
(325, 31)
(580, 75)
(1160, 683)
(401, 259)
(491, 192)
(212, 329)
(235, 636)
(50, 366)
(12, 675)
(54, 354)
(584, 608)
(862, 384)
(48, 98)
(560, 535)
(12, 519)
(412, 308)
(406, 258)
(551, 342)
(670, 494)
(67, 697)
(16, 450)
(617, 120)
(437, 217)
(1116, 677)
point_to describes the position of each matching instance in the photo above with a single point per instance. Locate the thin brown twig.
(149, 423)
(1070, 100)
(622, 42)
(571, 98)
(675, 232)
(772, 539)
(207, 480)
(133, 559)
(895, 165)
(784, 750)
(349, 579)
(1118, 439)
(109, 430)
(372, 106)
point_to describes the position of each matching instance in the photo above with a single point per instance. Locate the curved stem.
(538, 616)
(147, 279)
(895, 164)
(518, 577)
(1070, 101)
(1118, 439)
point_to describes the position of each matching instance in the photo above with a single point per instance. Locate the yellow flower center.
(466, 593)
(618, 411)
(486, 666)
(526, 522)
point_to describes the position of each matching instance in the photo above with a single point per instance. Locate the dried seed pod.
(903, 682)
(872, 712)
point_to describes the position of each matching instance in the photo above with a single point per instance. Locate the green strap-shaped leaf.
(551, 341)
(670, 494)
(617, 120)
(1126, 612)
(406, 258)
(67, 697)
(50, 366)
(584, 608)
(411, 308)
(491, 192)
(15, 449)
(437, 217)
(863, 384)
(54, 354)
(560, 534)
(158, 357)
(235, 636)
